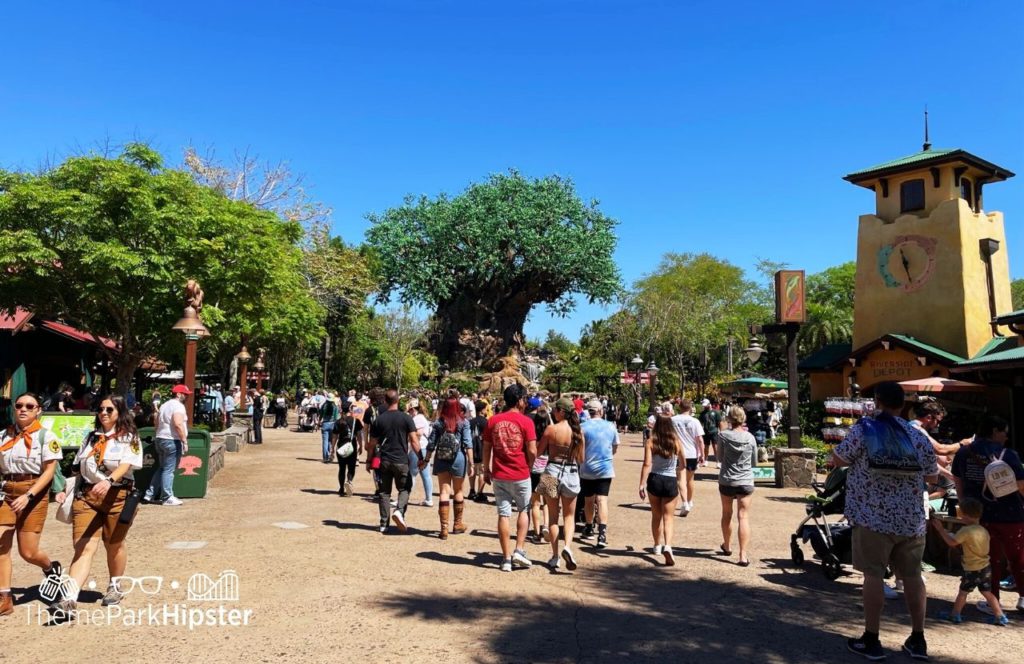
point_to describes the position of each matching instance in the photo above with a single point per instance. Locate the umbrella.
(937, 384)
(755, 382)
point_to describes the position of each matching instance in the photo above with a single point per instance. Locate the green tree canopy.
(108, 244)
(1017, 293)
(484, 258)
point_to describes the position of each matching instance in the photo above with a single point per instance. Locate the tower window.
(967, 191)
(912, 195)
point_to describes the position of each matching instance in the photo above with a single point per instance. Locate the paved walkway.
(322, 585)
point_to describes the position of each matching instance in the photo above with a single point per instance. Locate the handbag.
(64, 510)
(549, 485)
(346, 450)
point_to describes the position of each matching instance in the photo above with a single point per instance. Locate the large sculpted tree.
(484, 258)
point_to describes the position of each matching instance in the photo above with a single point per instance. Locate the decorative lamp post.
(243, 358)
(259, 366)
(754, 351)
(652, 371)
(191, 325)
(637, 362)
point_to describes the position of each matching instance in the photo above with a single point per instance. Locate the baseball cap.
(594, 404)
(535, 402)
(565, 405)
(666, 408)
(181, 389)
(413, 403)
(705, 403)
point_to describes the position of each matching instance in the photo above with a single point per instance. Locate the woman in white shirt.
(28, 460)
(106, 463)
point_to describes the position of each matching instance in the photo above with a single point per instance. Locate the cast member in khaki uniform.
(28, 460)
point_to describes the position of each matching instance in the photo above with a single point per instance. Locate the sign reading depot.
(202, 602)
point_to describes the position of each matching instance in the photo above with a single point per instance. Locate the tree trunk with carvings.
(474, 329)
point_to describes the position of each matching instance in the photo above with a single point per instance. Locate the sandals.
(744, 563)
(722, 551)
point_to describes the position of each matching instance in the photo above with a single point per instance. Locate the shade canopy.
(937, 384)
(755, 382)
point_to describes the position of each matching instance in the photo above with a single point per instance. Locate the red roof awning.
(78, 335)
(14, 323)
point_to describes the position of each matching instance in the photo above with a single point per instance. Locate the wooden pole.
(190, 375)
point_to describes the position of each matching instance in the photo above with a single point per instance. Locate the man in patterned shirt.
(889, 461)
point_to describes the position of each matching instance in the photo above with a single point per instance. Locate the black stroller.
(832, 542)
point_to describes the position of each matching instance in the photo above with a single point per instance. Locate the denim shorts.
(509, 492)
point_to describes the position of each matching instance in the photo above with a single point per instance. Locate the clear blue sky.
(701, 126)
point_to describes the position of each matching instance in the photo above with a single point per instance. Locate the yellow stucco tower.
(931, 263)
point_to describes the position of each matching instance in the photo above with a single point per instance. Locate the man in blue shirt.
(601, 441)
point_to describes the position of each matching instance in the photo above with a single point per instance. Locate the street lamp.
(754, 351)
(243, 358)
(652, 371)
(191, 325)
(637, 362)
(259, 366)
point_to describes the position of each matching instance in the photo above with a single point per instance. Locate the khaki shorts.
(873, 552)
(33, 517)
(478, 469)
(91, 516)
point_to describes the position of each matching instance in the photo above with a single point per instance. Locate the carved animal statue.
(194, 295)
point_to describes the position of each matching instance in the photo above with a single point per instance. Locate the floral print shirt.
(892, 504)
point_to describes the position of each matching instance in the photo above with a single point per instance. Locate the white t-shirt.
(422, 427)
(688, 428)
(118, 451)
(164, 420)
(470, 407)
(20, 460)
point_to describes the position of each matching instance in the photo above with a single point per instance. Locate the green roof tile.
(1012, 355)
(825, 357)
(996, 345)
(905, 161)
(928, 348)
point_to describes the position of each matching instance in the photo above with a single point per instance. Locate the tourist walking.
(259, 408)
(281, 411)
(328, 416)
(1003, 515)
(29, 455)
(538, 505)
(711, 421)
(170, 441)
(737, 454)
(510, 446)
(106, 461)
(348, 432)
(451, 448)
(230, 403)
(890, 461)
(602, 442)
(691, 434)
(564, 445)
(659, 483)
(415, 410)
(476, 478)
(392, 435)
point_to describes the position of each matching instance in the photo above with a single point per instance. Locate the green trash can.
(192, 474)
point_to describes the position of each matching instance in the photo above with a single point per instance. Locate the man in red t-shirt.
(510, 446)
(577, 403)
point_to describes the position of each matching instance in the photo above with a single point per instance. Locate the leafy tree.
(108, 244)
(1017, 292)
(829, 307)
(402, 332)
(484, 258)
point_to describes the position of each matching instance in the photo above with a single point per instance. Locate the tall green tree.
(829, 307)
(484, 258)
(108, 244)
(1017, 293)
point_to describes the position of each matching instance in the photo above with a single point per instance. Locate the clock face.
(907, 262)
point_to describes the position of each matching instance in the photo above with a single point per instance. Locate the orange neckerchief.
(99, 448)
(25, 435)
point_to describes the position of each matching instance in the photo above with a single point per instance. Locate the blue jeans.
(325, 430)
(168, 455)
(428, 483)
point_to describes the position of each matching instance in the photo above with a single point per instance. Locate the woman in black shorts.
(659, 482)
(738, 450)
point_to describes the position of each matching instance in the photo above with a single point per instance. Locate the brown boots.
(6, 604)
(460, 508)
(444, 511)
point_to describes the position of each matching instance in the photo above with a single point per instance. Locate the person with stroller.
(889, 462)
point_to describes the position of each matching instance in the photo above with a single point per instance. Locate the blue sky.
(701, 126)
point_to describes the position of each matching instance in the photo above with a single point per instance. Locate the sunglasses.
(25, 406)
(108, 410)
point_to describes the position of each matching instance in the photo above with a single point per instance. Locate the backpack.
(447, 445)
(1000, 480)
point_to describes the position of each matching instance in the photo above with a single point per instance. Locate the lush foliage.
(108, 244)
(1017, 293)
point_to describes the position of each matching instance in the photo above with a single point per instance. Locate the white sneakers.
(570, 560)
(519, 559)
(685, 508)
(172, 502)
(657, 549)
(554, 562)
(399, 520)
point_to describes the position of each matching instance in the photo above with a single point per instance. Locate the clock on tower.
(931, 263)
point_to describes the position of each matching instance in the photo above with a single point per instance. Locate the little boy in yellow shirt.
(974, 541)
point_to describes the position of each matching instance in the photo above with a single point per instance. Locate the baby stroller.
(308, 417)
(832, 542)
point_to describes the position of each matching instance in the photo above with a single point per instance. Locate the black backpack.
(447, 446)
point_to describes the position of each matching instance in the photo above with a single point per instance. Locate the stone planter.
(794, 467)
